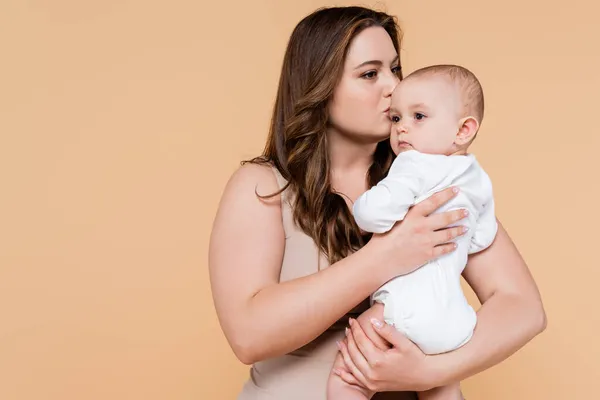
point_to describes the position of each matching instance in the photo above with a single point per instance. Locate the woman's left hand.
(403, 367)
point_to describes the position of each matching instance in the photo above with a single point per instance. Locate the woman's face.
(361, 101)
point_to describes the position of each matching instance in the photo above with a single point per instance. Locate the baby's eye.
(395, 119)
(419, 116)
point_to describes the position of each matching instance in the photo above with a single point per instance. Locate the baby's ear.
(467, 128)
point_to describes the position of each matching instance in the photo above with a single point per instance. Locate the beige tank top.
(303, 373)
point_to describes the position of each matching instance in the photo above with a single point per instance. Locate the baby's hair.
(467, 84)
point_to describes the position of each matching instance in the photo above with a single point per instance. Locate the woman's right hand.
(420, 237)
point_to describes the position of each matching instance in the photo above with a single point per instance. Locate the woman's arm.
(262, 317)
(510, 316)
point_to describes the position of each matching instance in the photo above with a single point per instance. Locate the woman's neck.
(349, 163)
(348, 154)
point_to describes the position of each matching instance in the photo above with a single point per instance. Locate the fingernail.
(466, 212)
(455, 189)
(465, 228)
(337, 372)
(339, 344)
(347, 331)
(376, 323)
(350, 321)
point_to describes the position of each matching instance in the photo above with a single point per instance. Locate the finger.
(377, 340)
(358, 358)
(366, 347)
(435, 201)
(442, 249)
(347, 377)
(375, 311)
(448, 234)
(350, 366)
(443, 220)
(392, 335)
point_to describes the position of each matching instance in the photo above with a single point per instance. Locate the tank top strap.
(281, 182)
(286, 205)
(289, 225)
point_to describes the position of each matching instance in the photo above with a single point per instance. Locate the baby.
(436, 113)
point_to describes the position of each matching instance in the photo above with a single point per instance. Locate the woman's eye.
(396, 70)
(395, 119)
(419, 116)
(370, 74)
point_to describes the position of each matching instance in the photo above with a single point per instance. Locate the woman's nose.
(391, 82)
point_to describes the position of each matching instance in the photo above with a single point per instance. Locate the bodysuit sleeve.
(379, 208)
(487, 225)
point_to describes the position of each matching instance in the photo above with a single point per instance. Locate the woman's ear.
(467, 129)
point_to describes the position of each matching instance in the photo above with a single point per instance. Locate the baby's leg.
(449, 392)
(337, 389)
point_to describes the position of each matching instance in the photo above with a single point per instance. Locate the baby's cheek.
(435, 142)
(394, 142)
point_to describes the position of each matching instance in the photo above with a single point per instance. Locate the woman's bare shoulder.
(254, 178)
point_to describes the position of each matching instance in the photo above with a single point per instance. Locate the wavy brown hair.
(297, 142)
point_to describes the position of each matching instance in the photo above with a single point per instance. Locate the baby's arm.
(379, 208)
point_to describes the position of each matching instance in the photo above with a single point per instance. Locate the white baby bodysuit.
(428, 305)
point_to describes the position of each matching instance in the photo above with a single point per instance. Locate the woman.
(289, 266)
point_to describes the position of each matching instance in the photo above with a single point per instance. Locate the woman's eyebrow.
(378, 63)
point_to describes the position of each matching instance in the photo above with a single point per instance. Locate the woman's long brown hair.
(297, 142)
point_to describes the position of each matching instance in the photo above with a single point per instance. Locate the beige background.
(120, 122)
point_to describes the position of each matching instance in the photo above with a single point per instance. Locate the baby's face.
(425, 114)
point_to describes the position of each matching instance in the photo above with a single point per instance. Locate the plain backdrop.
(121, 121)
